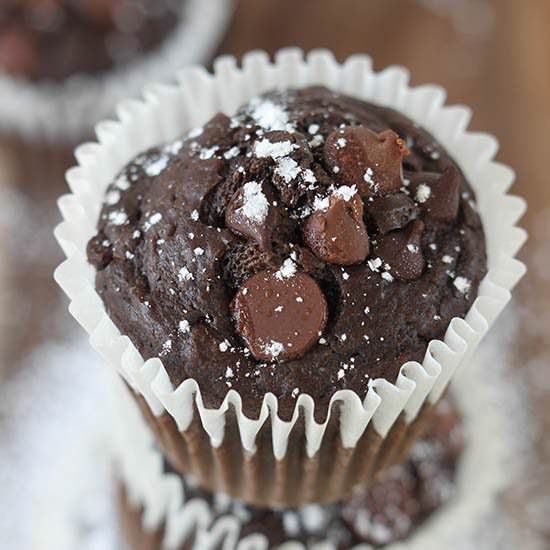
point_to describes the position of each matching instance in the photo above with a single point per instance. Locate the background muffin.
(394, 508)
(55, 39)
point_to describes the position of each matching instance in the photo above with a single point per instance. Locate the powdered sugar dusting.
(375, 264)
(122, 182)
(166, 348)
(287, 270)
(265, 148)
(462, 284)
(152, 220)
(185, 275)
(255, 205)
(184, 326)
(112, 197)
(321, 203)
(231, 153)
(270, 116)
(155, 166)
(174, 148)
(345, 192)
(56, 468)
(274, 349)
(288, 169)
(208, 152)
(423, 193)
(368, 176)
(341, 143)
(117, 217)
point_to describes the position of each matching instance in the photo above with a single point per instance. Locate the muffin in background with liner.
(289, 287)
(55, 39)
(65, 64)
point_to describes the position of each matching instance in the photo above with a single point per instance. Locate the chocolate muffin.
(312, 242)
(54, 39)
(390, 510)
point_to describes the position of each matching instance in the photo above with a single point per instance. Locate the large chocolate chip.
(216, 201)
(373, 162)
(402, 251)
(251, 213)
(438, 194)
(391, 212)
(444, 201)
(279, 314)
(99, 251)
(338, 235)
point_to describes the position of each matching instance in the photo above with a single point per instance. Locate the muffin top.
(389, 510)
(53, 39)
(310, 243)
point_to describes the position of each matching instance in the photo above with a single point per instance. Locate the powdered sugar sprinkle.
(255, 204)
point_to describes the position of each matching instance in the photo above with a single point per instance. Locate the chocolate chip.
(251, 213)
(279, 314)
(373, 162)
(444, 201)
(391, 212)
(402, 251)
(438, 194)
(216, 200)
(338, 235)
(99, 251)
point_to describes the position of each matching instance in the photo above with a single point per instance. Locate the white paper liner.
(167, 112)
(67, 111)
(484, 469)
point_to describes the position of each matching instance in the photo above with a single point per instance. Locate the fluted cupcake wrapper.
(268, 461)
(67, 111)
(164, 517)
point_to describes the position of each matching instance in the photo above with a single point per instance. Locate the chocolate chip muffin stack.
(309, 244)
(286, 289)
